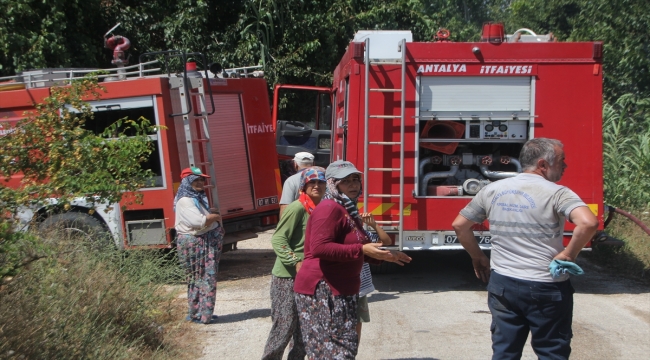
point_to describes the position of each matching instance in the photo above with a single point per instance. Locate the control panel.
(497, 130)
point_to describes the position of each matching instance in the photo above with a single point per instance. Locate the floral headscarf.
(311, 173)
(186, 190)
(307, 175)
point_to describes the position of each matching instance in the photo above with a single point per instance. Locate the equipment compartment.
(471, 130)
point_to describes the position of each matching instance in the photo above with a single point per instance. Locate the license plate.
(481, 239)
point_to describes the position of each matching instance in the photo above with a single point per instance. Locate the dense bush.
(82, 303)
(17, 249)
(633, 258)
(53, 155)
(626, 148)
(61, 297)
(626, 162)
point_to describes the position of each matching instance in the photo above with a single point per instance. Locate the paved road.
(433, 308)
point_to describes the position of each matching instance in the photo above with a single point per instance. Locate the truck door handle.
(234, 210)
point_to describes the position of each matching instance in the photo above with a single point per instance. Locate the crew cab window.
(107, 112)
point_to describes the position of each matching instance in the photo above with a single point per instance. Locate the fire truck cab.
(431, 123)
(302, 120)
(221, 125)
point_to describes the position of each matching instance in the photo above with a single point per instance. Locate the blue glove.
(561, 267)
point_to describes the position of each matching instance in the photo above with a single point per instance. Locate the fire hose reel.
(442, 35)
(436, 129)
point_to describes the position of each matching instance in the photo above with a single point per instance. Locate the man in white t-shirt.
(526, 214)
(291, 187)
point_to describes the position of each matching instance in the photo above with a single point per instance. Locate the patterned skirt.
(328, 323)
(285, 328)
(199, 255)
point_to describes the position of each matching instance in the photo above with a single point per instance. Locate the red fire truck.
(431, 123)
(219, 124)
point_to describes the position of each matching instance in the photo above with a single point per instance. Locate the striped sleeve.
(366, 281)
(372, 236)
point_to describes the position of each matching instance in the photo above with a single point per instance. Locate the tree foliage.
(297, 41)
(50, 155)
(53, 155)
(623, 25)
(52, 33)
(301, 41)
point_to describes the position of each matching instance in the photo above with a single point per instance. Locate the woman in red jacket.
(327, 285)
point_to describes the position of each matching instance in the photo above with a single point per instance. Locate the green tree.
(50, 33)
(68, 33)
(301, 41)
(623, 25)
(187, 25)
(57, 157)
(49, 155)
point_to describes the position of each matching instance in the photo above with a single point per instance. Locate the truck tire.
(75, 226)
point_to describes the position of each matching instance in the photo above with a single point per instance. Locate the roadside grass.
(626, 166)
(633, 258)
(77, 301)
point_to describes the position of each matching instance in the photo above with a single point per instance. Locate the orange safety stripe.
(385, 209)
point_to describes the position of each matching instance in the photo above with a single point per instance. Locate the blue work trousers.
(519, 306)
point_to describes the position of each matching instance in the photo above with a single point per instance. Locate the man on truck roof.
(526, 215)
(291, 187)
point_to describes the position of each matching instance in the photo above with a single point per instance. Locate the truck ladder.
(395, 172)
(195, 125)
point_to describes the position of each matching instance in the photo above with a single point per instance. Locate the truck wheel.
(75, 227)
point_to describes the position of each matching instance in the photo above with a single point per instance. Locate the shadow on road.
(429, 272)
(446, 271)
(377, 297)
(411, 358)
(245, 263)
(250, 314)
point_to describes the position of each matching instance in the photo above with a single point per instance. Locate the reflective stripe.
(524, 235)
(383, 208)
(524, 225)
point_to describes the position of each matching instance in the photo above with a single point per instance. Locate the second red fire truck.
(221, 125)
(431, 123)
